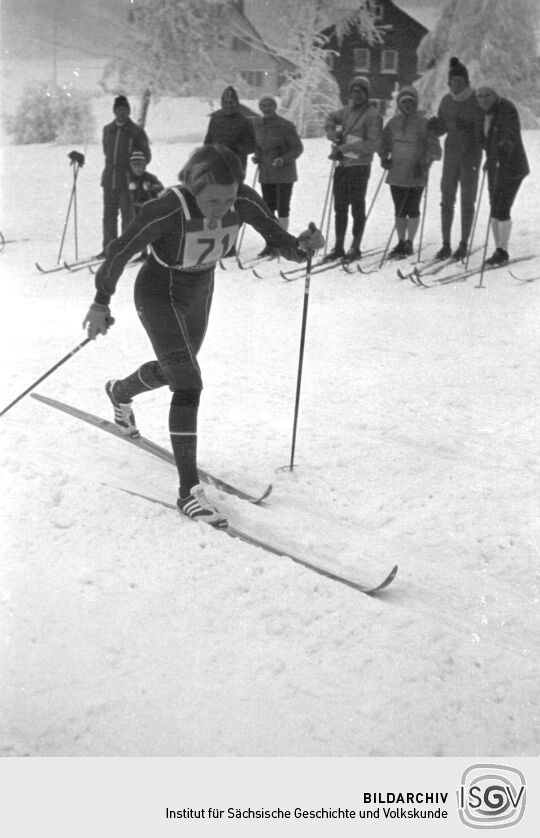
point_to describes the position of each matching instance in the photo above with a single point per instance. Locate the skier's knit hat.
(229, 93)
(456, 68)
(137, 157)
(121, 102)
(408, 92)
(360, 81)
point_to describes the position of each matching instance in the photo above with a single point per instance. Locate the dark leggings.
(350, 186)
(407, 200)
(277, 197)
(173, 307)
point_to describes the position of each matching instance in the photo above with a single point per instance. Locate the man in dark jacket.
(232, 128)
(121, 138)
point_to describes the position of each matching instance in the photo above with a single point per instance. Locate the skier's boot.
(124, 417)
(197, 506)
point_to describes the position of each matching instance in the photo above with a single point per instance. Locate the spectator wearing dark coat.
(460, 118)
(231, 128)
(277, 147)
(506, 165)
(121, 138)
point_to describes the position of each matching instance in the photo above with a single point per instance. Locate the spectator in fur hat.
(354, 132)
(460, 118)
(121, 138)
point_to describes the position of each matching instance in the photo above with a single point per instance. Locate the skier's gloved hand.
(386, 163)
(98, 320)
(311, 239)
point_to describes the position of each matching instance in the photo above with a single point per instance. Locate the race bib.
(204, 244)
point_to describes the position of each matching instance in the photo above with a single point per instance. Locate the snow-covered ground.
(132, 632)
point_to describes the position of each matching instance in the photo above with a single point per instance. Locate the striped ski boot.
(197, 506)
(124, 417)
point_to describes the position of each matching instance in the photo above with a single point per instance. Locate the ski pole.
(327, 196)
(483, 268)
(375, 196)
(77, 160)
(301, 357)
(476, 213)
(46, 375)
(424, 204)
(243, 230)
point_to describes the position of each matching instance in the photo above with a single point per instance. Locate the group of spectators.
(472, 121)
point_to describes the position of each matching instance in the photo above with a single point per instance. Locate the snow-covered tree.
(310, 90)
(496, 41)
(170, 47)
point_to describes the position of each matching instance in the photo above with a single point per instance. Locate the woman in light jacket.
(407, 150)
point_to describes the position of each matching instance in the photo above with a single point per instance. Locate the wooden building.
(389, 64)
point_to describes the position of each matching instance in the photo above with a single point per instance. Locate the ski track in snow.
(132, 632)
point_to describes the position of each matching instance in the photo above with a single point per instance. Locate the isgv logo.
(491, 796)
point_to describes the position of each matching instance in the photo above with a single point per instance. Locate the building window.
(379, 11)
(361, 59)
(240, 44)
(254, 78)
(389, 61)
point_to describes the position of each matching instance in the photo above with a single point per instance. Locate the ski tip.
(384, 584)
(264, 495)
(401, 275)
(254, 272)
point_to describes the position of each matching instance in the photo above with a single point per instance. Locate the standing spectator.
(408, 148)
(355, 132)
(121, 138)
(231, 128)
(142, 185)
(506, 165)
(460, 118)
(277, 146)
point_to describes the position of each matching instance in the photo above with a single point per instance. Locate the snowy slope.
(134, 632)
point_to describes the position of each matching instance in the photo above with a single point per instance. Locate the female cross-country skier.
(187, 230)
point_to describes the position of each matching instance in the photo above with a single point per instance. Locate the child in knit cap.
(143, 185)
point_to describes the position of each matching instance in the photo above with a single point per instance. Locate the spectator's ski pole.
(77, 160)
(484, 253)
(46, 375)
(243, 230)
(424, 205)
(478, 202)
(375, 196)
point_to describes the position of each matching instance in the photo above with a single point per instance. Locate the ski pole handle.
(46, 375)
